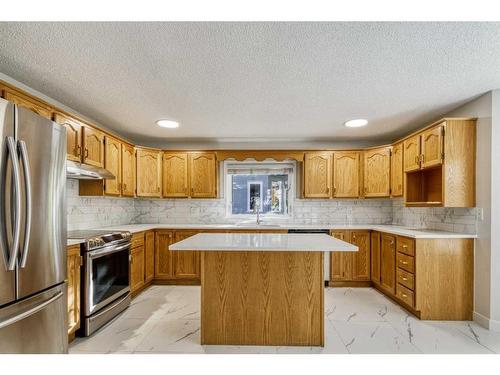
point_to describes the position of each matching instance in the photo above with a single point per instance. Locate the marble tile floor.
(166, 319)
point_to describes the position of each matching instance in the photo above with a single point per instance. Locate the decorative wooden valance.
(260, 155)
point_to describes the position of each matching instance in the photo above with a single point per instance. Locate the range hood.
(81, 171)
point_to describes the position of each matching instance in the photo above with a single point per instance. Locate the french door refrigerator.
(33, 301)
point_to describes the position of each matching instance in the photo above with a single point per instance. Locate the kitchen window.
(264, 186)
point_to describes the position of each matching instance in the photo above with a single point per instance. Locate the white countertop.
(262, 242)
(392, 229)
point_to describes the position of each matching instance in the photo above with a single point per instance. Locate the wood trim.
(260, 155)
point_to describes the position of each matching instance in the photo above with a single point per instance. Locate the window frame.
(227, 189)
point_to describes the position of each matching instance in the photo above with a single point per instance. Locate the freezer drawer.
(36, 325)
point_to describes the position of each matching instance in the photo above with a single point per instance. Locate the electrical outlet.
(480, 214)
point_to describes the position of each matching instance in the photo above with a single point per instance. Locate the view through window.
(258, 186)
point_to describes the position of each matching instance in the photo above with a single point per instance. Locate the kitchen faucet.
(256, 209)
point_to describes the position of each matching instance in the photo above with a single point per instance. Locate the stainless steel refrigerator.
(33, 301)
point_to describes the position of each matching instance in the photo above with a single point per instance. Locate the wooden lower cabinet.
(351, 266)
(375, 257)
(388, 263)
(149, 256)
(74, 264)
(186, 263)
(173, 266)
(136, 268)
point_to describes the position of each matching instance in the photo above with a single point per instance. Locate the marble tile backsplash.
(463, 220)
(95, 212)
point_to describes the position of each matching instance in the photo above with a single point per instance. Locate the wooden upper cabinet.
(148, 173)
(28, 102)
(377, 165)
(388, 263)
(317, 174)
(203, 174)
(361, 258)
(411, 153)
(346, 174)
(397, 179)
(176, 175)
(112, 162)
(93, 147)
(432, 147)
(74, 131)
(128, 170)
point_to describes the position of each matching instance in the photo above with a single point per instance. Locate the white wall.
(486, 260)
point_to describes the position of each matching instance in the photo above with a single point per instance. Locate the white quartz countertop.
(392, 229)
(262, 242)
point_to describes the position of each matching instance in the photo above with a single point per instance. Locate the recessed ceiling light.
(167, 124)
(356, 123)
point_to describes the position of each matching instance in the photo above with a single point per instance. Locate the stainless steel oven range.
(105, 276)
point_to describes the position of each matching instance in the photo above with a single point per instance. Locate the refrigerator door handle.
(11, 146)
(28, 312)
(27, 183)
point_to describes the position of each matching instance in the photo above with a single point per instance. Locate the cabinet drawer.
(405, 278)
(405, 245)
(405, 262)
(137, 240)
(405, 295)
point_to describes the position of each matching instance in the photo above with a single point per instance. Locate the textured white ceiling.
(298, 81)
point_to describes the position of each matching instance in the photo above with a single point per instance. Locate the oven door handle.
(106, 251)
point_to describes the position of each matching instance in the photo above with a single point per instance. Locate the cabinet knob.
(404, 278)
(404, 295)
(403, 262)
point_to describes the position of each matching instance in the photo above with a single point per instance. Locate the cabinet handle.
(403, 262)
(404, 295)
(405, 246)
(392, 242)
(78, 150)
(417, 159)
(124, 186)
(86, 153)
(404, 278)
(422, 158)
(192, 191)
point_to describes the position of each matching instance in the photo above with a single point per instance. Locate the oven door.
(106, 276)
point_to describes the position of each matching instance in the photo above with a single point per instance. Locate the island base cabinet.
(262, 298)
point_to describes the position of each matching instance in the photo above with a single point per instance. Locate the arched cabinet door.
(93, 147)
(148, 173)
(112, 162)
(203, 175)
(317, 174)
(175, 175)
(346, 174)
(128, 170)
(397, 170)
(432, 147)
(411, 152)
(377, 172)
(74, 130)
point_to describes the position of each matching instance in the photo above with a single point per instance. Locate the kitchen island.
(262, 289)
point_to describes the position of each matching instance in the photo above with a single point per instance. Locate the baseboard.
(350, 284)
(176, 282)
(483, 321)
